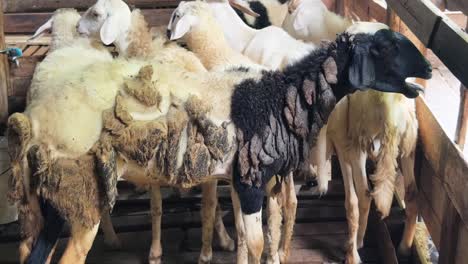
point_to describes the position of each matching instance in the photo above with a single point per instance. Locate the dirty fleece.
(156, 144)
(80, 188)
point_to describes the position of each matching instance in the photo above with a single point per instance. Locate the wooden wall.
(23, 17)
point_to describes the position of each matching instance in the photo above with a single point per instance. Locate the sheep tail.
(385, 175)
(106, 166)
(19, 136)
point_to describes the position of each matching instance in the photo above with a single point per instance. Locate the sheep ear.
(110, 30)
(47, 26)
(182, 26)
(244, 7)
(300, 20)
(362, 69)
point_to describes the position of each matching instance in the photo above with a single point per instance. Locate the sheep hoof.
(113, 244)
(228, 244)
(352, 257)
(273, 260)
(205, 259)
(154, 260)
(283, 256)
(404, 251)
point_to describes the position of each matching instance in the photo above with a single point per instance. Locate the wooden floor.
(319, 235)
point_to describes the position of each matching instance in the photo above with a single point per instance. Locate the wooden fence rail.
(441, 170)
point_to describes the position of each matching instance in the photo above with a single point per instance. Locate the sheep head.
(108, 20)
(384, 60)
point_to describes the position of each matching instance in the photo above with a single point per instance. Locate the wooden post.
(343, 6)
(4, 74)
(396, 24)
(462, 124)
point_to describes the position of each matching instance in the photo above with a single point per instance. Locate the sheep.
(270, 13)
(265, 107)
(193, 23)
(133, 41)
(384, 135)
(63, 26)
(251, 42)
(311, 21)
(325, 130)
(111, 21)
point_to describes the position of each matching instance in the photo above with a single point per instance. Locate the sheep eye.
(95, 14)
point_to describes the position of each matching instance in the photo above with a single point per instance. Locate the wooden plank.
(421, 16)
(462, 124)
(445, 158)
(377, 11)
(19, 86)
(440, 216)
(449, 237)
(23, 6)
(24, 40)
(28, 65)
(4, 76)
(458, 5)
(437, 32)
(30, 50)
(42, 51)
(361, 8)
(450, 44)
(24, 23)
(343, 7)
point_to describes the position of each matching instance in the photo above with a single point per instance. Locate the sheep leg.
(274, 228)
(352, 211)
(110, 237)
(254, 235)
(289, 214)
(79, 243)
(358, 165)
(225, 241)
(242, 250)
(318, 157)
(411, 191)
(31, 221)
(156, 213)
(208, 212)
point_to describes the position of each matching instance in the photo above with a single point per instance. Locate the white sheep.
(109, 19)
(251, 42)
(311, 21)
(194, 24)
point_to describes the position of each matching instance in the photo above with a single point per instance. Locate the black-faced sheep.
(385, 135)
